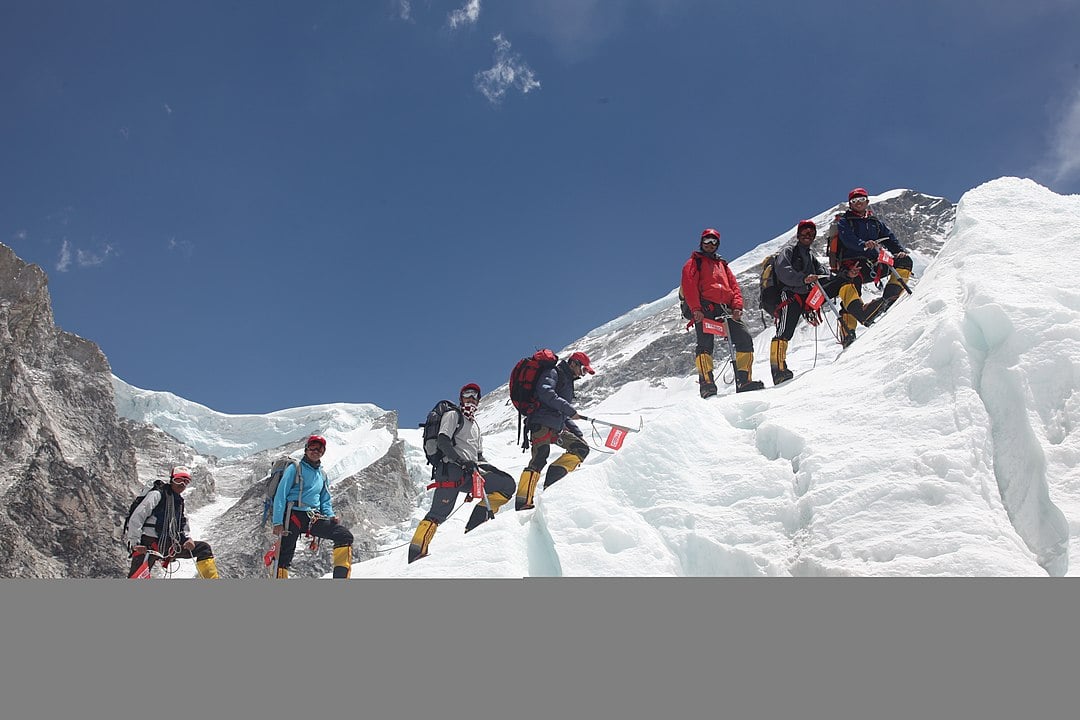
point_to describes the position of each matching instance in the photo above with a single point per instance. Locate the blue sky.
(266, 205)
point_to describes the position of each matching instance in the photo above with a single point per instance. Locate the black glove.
(469, 468)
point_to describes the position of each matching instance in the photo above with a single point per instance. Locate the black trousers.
(201, 551)
(740, 336)
(301, 524)
(442, 503)
(541, 440)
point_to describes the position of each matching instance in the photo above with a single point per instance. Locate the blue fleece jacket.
(316, 496)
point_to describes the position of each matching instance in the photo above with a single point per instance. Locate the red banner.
(713, 327)
(143, 573)
(270, 554)
(477, 485)
(615, 438)
(884, 256)
(816, 298)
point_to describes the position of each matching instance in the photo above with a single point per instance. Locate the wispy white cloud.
(1064, 160)
(89, 258)
(167, 108)
(404, 9)
(509, 71)
(20, 235)
(72, 256)
(184, 247)
(64, 263)
(467, 14)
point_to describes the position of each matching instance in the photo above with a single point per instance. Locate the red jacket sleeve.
(690, 284)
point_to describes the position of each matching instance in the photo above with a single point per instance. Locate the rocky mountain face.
(67, 469)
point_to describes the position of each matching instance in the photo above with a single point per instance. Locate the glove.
(469, 468)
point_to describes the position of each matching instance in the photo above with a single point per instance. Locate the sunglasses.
(470, 395)
(807, 236)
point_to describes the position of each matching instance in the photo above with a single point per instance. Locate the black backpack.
(159, 485)
(431, 430)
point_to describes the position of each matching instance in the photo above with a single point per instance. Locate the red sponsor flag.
(270, 554)
(884, 256)
(143, 573)
(816, 298)
(713, 327)
(477, 485)
(615, 438)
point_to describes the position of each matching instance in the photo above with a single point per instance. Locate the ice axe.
(617, 433)
(886, 258)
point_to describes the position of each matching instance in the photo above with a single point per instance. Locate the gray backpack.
(272, 479)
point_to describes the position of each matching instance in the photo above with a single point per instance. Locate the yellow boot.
(706, 384)
(418, 548)
(207, 568)
(778, 361)
(566, 464)
(481, 513)
(283, 573)
(744, 380)
(526, 488)
(343, 562)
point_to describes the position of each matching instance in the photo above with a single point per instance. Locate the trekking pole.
(277, 543)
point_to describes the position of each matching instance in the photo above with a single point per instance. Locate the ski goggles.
(470, 394)
(182, 481)
(710, 241)
(860, 198)
(316, 446)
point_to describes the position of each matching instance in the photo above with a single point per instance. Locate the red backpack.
(524, 376)
(523, 379)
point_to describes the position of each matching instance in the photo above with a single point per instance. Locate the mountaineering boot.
(704, 365)
(482, 513)
(744, 382)
(778, 361)
(207, 568)
(283, 573)
(893, 288)
(562, 467)
(526, 488)
(421, 539)
(343, 562)
(846, 336)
